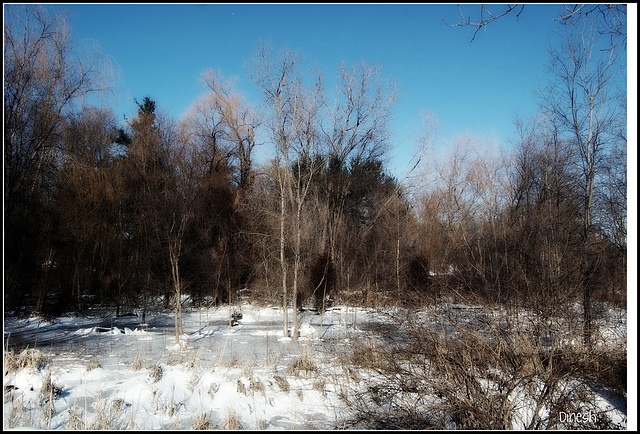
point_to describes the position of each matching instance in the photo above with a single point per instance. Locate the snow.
(216, 371)
(122, 374)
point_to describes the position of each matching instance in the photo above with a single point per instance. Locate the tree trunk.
(283, 264)
(296, 267)
(177, 288)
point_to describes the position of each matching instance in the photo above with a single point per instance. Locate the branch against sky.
(612, 18)
(486, 17)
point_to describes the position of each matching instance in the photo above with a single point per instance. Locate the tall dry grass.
(482, 370)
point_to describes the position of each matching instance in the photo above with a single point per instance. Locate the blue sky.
(471, 87)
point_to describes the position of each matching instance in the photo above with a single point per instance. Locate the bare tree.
(610, 20)
(462, 206)
(228, 122)
(159, 193)
(582, 97)
(219, 131)
(545, 218)
(175, 233)
(273, 81)
(359, 118)
(45, 73)
(294, 128)
(358, 132)
(205, 130)
(611, 197)
(87, 200)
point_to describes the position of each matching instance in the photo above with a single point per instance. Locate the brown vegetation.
(98, 212)
(483, 374)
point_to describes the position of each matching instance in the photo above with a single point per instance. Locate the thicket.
(458, 367)
(121, 214)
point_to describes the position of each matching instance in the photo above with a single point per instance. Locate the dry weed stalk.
(75, 421)
(304, 365)
(202, 422)
(16, 413)
(241, 388)
(320, 386)
(28, 358)
(282, 383)
(255, 385)
(369, 356)
(48, 394)
(156, 373)
(92, 364)
(231, 420)
(139, 362)
(101, 417)
(473, 373)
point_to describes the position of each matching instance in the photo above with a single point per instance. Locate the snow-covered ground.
(123, 374)
(87, 373)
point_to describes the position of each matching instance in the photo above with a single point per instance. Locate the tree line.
(99, 211)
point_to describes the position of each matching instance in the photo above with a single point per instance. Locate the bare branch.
(486, 17)
(612, 20)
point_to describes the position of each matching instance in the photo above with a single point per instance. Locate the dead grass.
(229, 363)
(282, 383)
(193, 363)
(48, 388)
(92, 364)
(28, 358)
(101, 417)
(304, 365)
(247, 371)
(479, 375)
(320, 386)
(231, 420)
(241, 388)
(256, 386)
(139, 362)
(16, 413)
(156, 373)
(75, 421)
(202, 422)
(213, 389)
(368, 355)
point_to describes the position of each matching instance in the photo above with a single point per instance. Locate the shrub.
(322, 279)
(236, 315)
(485, 373)
(418, 275)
